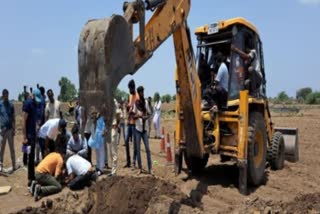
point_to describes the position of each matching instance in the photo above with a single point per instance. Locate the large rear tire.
(276, 151)
(257, 148)
(196, 164)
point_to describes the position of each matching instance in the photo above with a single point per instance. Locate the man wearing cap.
(7, 128)
(77, 144)
(49, 132)
(29, 119)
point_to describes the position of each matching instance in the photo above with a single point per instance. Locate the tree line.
(68, 92)
(303, 95)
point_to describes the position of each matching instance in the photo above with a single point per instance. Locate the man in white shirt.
(53, 108)
(77, 144)
(80, 172)
(115, 138)
(157, 116)
(216, 95)
(49, 132)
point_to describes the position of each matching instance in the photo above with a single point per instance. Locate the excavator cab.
(242, 131)
(218, 38)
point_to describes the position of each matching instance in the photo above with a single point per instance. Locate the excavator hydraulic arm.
(107, 52)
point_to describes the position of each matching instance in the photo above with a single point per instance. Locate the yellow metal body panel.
(243, 125)
(179, 121)
(269, 124)
(251, 100)
(163, 23)
(223, 24)
(229, 148)
(188, 90)
(228, 119)
(216, 133)
(230, 154)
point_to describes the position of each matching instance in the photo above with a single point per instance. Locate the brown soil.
(308, 203)
(295, 189)
(118, 195)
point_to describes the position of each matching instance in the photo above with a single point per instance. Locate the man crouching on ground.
(47, 174)
(80, 172)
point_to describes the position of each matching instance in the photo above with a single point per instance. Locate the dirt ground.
(295, 189)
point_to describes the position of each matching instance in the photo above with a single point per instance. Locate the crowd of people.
(55, 157)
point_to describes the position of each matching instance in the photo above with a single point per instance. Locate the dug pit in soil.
(120, 195)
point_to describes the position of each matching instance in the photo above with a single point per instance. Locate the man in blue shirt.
(29, 120)
(7, 128)
(40, 121)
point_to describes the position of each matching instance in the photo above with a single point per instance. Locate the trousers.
(114, 149)
(7, 135)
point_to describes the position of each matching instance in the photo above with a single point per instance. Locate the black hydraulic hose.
(152, 4)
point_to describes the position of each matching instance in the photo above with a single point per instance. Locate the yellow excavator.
(107, 52)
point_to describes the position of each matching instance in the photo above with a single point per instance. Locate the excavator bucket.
(290, 136)
(105, 56)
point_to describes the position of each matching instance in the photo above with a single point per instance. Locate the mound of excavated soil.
(308, 203)
(120, 195)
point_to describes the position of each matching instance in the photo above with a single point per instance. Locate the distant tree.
(313, 98)
(21, 97)
(121, 95)
(282, 96)
(174, 97)
(302, 93)
(67, 90)
(166, 98)
(155, 96)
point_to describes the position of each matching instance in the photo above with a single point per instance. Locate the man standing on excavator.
(254, 72)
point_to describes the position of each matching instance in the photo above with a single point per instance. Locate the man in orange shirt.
(46, 175)
(131, 124)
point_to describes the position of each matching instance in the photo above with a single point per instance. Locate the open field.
(295, 189)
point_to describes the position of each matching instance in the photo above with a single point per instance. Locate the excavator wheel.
(196, 164)
(257, 148)
(276, 151)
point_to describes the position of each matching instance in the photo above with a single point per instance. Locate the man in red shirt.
(131, 124)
